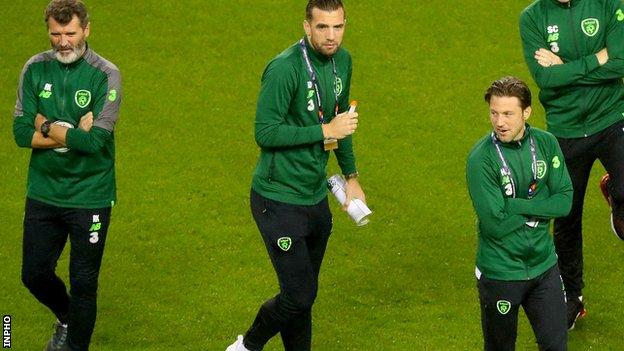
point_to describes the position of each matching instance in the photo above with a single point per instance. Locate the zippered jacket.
(580, 97)
(510, 245)
(81, 175)
(292, 164)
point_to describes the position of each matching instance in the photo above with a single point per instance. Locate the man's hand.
(341, 126)
(354, 191)
(39, 119)
(602, 56)
(38, 140)
(86, 122)
(547, 58)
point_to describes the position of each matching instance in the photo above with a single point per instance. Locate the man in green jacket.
(574, 51)
(518, 181)
(67, 105)
(301, 116)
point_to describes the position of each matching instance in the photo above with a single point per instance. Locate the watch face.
(45, 129)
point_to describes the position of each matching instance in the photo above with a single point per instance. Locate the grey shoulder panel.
(100, 62)
(44, 56)
(110, 112)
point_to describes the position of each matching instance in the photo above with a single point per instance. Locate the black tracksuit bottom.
(580, 155)
(543, 301)
(295, 237)
(46, 229)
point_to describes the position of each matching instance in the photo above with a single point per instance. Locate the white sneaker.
(237, 345)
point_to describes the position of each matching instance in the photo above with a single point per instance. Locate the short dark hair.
(511, 87)
(325, 5)
(64, 10)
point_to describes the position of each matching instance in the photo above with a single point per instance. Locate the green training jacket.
(82, 175)
(508, 248)
(580, 97)
(292, 164)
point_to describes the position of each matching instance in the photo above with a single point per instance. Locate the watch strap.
(353, 175)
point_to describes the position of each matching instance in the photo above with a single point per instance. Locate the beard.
(321, 49)
(73, 55)
(327, 52)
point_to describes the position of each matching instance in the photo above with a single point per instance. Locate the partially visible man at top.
(301, 116)
(67, 105)
(574, 51)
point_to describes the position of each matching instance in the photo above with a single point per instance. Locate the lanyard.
(507, 170)
(306, 59)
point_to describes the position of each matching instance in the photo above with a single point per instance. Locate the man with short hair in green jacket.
(302, 115)
(517, 180)
(67, 106)
(574, 50)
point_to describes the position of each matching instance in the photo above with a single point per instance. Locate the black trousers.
(295, 237)
(580, 155)
(543, 301)
(46, 229)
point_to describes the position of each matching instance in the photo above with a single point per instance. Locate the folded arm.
(488, 201)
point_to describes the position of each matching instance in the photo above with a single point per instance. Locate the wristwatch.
(45, 128)
(353, 175)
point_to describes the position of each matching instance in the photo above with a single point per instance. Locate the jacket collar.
(572, 3)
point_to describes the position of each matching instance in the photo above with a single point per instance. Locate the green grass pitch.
(185, 268)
